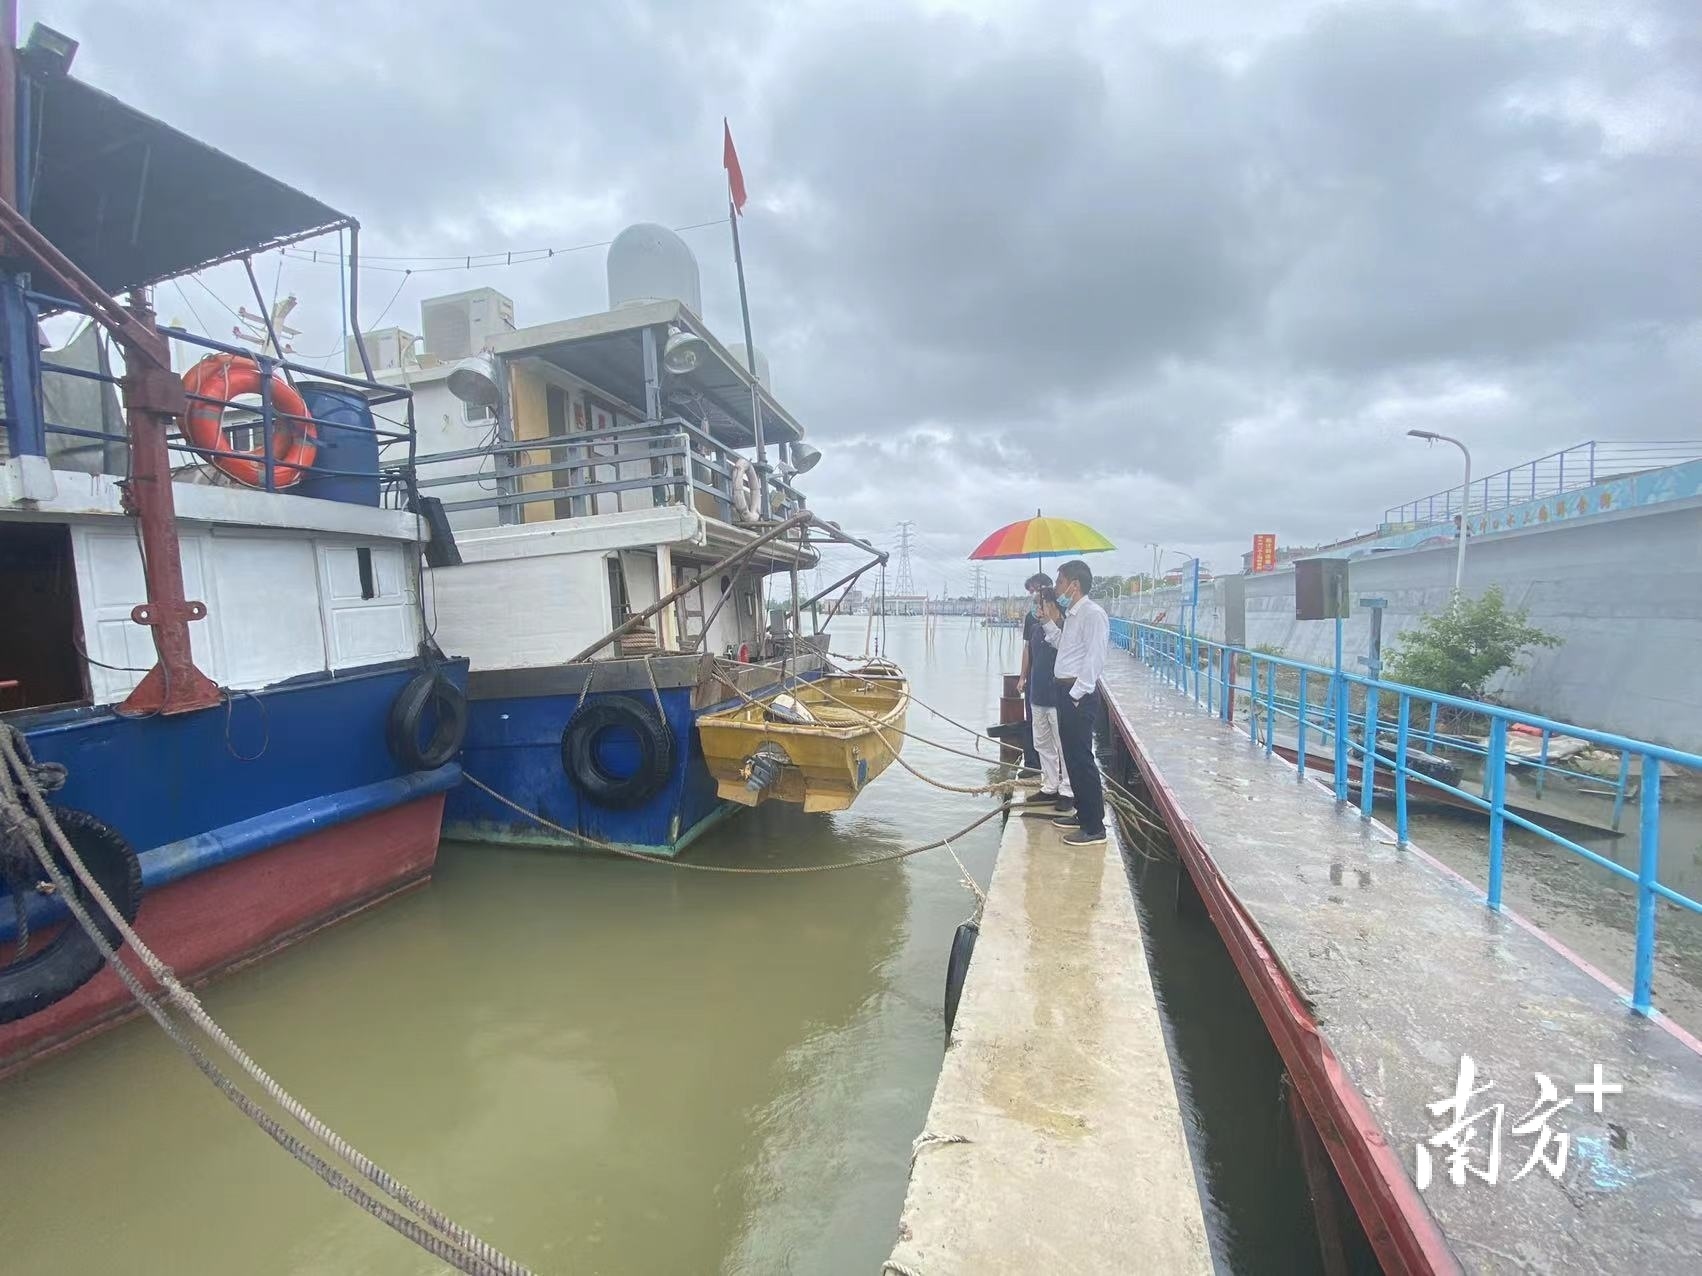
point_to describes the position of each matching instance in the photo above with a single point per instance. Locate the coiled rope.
(423, 1225)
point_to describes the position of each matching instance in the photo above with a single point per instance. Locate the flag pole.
(750, 358)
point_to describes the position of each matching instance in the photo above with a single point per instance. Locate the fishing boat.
(623, 494)
(214, 651)
(817, 744)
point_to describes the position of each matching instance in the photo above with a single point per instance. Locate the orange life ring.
(295, 438)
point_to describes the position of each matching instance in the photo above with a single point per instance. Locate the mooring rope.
(454, 1244)
(627, 853)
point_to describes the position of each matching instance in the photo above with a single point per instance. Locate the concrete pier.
(1375, 969)
(1055, 1140)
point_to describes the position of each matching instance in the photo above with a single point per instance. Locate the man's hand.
(1050, 611)
(1022, 684)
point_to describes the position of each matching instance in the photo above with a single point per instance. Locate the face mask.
(1064, 601)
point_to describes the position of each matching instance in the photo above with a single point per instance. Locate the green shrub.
(1458, 650)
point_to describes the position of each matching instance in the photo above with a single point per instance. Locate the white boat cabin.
(588, 468)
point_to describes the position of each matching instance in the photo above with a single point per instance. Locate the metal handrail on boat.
(265, 414)
(684, 460)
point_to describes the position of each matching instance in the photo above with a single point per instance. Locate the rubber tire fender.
(957, 969)
(70, 959)
(423, 690)
(579, 754)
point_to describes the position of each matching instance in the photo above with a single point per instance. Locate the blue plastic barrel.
(353, 451)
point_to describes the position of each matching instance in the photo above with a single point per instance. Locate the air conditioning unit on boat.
(386, 347)
(464, 323)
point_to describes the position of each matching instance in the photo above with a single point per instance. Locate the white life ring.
(747, 491)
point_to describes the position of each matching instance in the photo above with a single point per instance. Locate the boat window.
(39, 664)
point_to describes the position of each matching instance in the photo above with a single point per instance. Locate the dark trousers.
(1076, 720)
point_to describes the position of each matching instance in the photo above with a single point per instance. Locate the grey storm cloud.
(1186, 272)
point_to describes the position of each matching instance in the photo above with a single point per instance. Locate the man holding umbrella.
(1080, 642)
(1080, 631)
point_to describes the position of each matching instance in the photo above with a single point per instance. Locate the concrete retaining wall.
(1623, 592)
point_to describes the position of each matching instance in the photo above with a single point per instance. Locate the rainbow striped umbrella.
(1038, 537)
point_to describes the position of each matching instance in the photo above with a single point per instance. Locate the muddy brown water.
(600, 1066)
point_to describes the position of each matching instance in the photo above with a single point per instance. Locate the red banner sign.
(1264, 551)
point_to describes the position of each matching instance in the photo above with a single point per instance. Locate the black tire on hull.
(70, 959)
(579, 752)
(424, 691)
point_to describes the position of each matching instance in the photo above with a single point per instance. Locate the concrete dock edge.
(1055, 1140)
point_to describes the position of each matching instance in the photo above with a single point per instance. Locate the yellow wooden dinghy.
(818, 744)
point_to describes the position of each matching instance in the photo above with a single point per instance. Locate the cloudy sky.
(1188, 272)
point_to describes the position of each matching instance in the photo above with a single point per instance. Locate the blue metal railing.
(1579, 466)
(264, 419)
(1208, 671)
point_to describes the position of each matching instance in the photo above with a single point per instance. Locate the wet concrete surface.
(1589, 910)
(1405, 971)
(1055, 1140)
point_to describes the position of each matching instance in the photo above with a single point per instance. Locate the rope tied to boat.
(24, 808)
(752, 871)
(654, 689)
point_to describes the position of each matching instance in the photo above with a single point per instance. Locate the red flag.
(735, 175)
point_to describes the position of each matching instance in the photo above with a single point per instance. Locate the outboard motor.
(764, 766)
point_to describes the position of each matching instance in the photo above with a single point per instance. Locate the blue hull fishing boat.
(613, 550)
(214, 659)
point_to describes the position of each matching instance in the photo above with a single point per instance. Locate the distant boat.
(818, 744)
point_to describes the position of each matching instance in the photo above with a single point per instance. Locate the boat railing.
(646, 465)
(244, 416)
(1395, 723)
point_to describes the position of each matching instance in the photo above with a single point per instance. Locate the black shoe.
(1081, 837)
(1066, 822)
(1065, 804)
(1043, 798)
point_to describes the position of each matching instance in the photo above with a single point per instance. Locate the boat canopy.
(133, 201)
(606, 351)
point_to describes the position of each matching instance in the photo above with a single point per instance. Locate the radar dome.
(737, 350)
(650, 263)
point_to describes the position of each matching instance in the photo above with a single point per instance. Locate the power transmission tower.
(903, 584)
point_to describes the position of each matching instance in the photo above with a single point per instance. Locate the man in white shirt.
(1081, 631)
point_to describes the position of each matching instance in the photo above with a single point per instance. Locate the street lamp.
(1465, 500)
